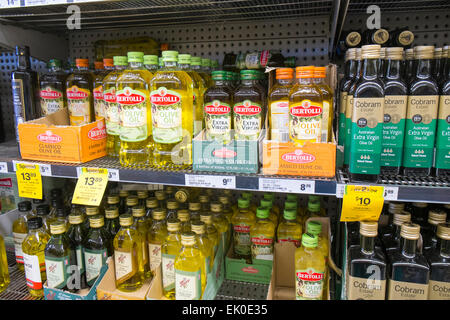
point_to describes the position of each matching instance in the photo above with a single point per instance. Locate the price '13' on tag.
(362, 203)
(29, 180)
(90, 186)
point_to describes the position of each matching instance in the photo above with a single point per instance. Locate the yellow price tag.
(90, 186)
(29, 180)
(362, 203)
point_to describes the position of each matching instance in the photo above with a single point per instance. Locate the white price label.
(340, 189)
(45, 169)
(113, 174)
(3, 167)
(287, 185)
(390, 193)
(204, 181)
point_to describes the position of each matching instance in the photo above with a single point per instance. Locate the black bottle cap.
(56, 202)
(24, 206)
(62, 211)
(43, 209)
(22, 51)
(34, 223)
(39, 201)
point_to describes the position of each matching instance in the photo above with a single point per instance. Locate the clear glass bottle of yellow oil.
(249, 196)
(156, 236)
(262, 235)
(315, 228)
(221, 223)
(128, 256)
(194, 210)
(142, 196)
(150, 205)
(4, 272)
(190, 273)
(289, 229)
(151, 63)
(160, 195)
(141, 225)
(313, 210)
(170, 249)
(226, 209)
(272, 216)
(271, 197)
(133, 100)
(242, 221)
(211, 231)
(184, 216)
(112, 119)
(33, 247)
(80, 101)
(310, 269)
(327, 95)
(97, 91)
(205, 245)
(20, 231)
(305, 108)
(196, 65)
(172, 209)
(172, 114)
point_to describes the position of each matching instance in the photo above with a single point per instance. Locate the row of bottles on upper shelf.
(145, 229)
(394, 113)
(405, 259)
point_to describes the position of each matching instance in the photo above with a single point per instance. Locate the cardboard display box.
(83, 294)
(51, 138)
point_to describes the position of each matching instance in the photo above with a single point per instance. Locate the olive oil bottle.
(4, 272)
(77, 233)
(190, 274)
(140, 224)
(112, 223)
(278, 102)
(262, 235)
(367, 119)
(205, 245)
(221, 223)
(33, 248)
(156, 236)
(315, 228)
(211, 231)
(305, 108)
(97, 92)
(196, 65)
(128, 256)
(170, 249)
(172, 209)
(172, 108)
(184, 217)
(443, 127)
(421, 115)
(53, 89)
(344, 86)
(150, 204)
(328, 103)
(289, 229)
(60, 256)
(395, 103)
(242, 222)
(20, 231)
(408, 67)
(133, 100)
(151, 63)
(80, 101)
(217, 112)
(439, 265)
(112, 118)
(194, 210)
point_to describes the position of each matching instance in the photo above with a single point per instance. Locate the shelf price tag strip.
(29, 180)
(287, 185)
(90, 186)
(113, 174)
(210, 181)
(45, 169)
(3, 167)
(362, 203)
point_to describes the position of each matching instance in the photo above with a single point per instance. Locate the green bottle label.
(52, 100)
(188, 285)
(242, 241)
(94, 260)
(56, 270)
(343, 104)
(112, 119)
(247, 119)
(309, 284)
(420, 131)
(366, 134)
(262, 247)
(443, 134)
(393, 130)
(166, 116)
(133, 115)
(348, 129)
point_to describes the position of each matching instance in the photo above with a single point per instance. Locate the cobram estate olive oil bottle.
(53, 88)
(443, 128)
(440, 264)
(172, 114)
(421, 115)
(367, 119)
(80, 101)
(132, 97)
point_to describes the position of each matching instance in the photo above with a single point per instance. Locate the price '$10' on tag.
(90, 187)
(362, 203)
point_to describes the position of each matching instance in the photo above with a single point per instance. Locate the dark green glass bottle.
(77, 233)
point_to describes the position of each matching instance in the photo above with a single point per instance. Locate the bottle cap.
(173, 225)
(313, 206)
(243, 203)
(194, 206)
(350, 54)
(371, 51)
(206, 218)
(43, 209)
(96, 221)
(188, 238)
(123, 193)
(284, 73)
(353, 39)
(181, 195)
(183, 215)
(120, 61)
(437, 216)
(368, 228)
(405, 38)
(160, 195)
(396, 207)
(196, 61)
(262, 212)
(271, 197)
(290, 214)
(91, 211)
(219, 75)
(111, 213)
(216, 207)
(132, 201)
(401, 217)
(138, 211)
(206, 62)
(57, 227)
(126, 220)
(34, 223)
(424, 52)
(247, 195)
(381, 36)
(314, 227)
(108, 62)
(304, 72)
(151, 202)
(290, 205)
(409, 54)
(76, 218)
(291, 198)
(159, 214)
(54, 63)
(358, 54)
(39, 201)
(410, 231)
(172, 205)
(150, 59)
(214, 63)
(142, 194)
(24, 206)
(184, 59)
(443, 231)
(98, 65)
(224, 200)
(309, 240)
(313, 198)
(113, 199)
(203, 198)
(198, 227)
(437, 53)
(249, 75)
(266, 203)
(170, 55)
(320, 72)
(420, 204)
(82, 63)
(135, 56)
(382, 53)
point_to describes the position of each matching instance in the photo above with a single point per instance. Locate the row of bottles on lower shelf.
(407, 259)
(177, 229)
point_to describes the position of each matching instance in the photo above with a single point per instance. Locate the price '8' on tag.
(90, 186)
(29, 181)
(362, 203)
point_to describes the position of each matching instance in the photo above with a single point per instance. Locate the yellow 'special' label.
(362, 203)
(90, 187)
(29, 181)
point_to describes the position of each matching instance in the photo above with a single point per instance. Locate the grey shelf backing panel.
(404, 6)
(306, 38)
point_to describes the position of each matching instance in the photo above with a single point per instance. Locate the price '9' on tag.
(29, 180)
(90, 186)
(362, 203)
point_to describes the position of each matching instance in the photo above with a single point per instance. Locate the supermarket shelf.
(238, 290)
(360, 6)
(412, 189)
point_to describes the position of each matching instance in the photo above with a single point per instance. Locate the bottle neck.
(220, 83)
(350, 68)
(135, 65)
(444, 248)
(409, 248)
(284, 82)
(358, 69)
(397, 232)
(108, 68)
(120, 67)
(248, 82)
(170, 65)
(370, 69)
(319, 80)
(184, 66)
(367, 244)
(306, 81)
(196, 67)
(23, 62)
(55, 69)
(82, 68)
(393, 68)
(423, 68)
